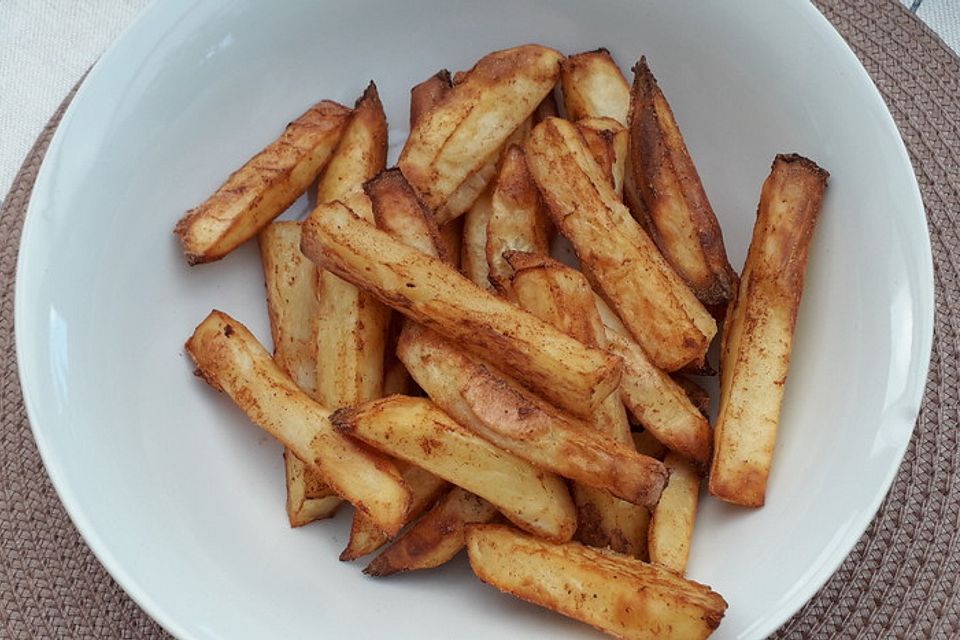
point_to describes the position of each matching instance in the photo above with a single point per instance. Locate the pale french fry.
(661, 313)
(292, 307)
(563, 370)
(619, 595)
(616, 141)
(671, 525)
(473, 250)
(399, 212)
(681, 220)
(517, 221)
(230, 359)
(264, 187)
(492, 406)
(366, 537)
(594, 87)
(437, 537)
(466, 129)
(428, 93)
(758, 335)
(415, 430)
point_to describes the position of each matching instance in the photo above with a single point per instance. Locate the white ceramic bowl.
(181, 497)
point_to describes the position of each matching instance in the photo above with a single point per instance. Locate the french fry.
(399, 212)
(563, 370)
(428, 93)
(366, 537)
(758, 335)
(671, 525)
(608, 141)
(500, 411)
(473, 250)
(292, 307)
(661, 313)
(230, 359)
(681, 220)
(619, 595)
(437, 537)
(466, 129)
(264, 187)
(594, 87)
(517, 221)
(699, 397)
(415, 430)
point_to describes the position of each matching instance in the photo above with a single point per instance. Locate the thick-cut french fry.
(663, 315)
(361, 153)
(617, 594)
(615, 142)
(681, 220)
(428, 93)
(758, 335)
(398, 211)
(264, 187)
(437, 537)
(671, 526)
(473, 250)
(292, 307)
(497, 409)
(517, 221)
(563, 370)
(415, 430)
(594, 87)
(600, 144)
(467, 128)
(230, 359)
(366, 537)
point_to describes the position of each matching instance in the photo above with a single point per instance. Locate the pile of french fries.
(436, 368)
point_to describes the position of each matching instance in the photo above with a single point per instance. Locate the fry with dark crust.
(428, 93)
(264, 187)
(616, 594)
(399, 212)
(758, 333)
(680, 218)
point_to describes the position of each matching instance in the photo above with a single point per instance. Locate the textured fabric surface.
(900, 581)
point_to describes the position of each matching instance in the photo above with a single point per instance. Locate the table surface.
(46, 45)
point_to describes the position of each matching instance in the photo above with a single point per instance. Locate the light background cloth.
(46, 45)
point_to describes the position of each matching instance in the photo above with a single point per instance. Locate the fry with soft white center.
(671, 525)
(758, 333)
(594, 87)
(660, 311)
(617, 594)
(607, 140)
(264, 187)
(415, 430)
(230, 359)
(473, 249)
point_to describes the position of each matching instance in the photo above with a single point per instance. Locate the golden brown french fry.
(361, 153)
(681, 220)
(759, 331)
(600, 144)
(437, 537)
(517, 221)
(465, 130)
(415, 430)
(473, 250)
(425, 95)
(671, 525)
(398, 211)
(492, 406)
(230, 359)
(619, 595)
(366, 537)
(608, 140)
(264, 187)
(292, 307)
(594, 87)
(661, 313)
(563, 370)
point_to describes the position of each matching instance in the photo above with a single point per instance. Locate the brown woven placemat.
(901, 580)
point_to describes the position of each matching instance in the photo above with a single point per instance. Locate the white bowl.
(181, 497)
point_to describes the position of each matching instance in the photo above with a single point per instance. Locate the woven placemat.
(901, 580)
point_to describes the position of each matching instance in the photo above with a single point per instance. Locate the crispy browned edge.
(428, 93)
(396, 204)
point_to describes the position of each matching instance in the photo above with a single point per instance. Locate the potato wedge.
(497, 409)
(366, 537)
(292, 307)
(423, 288)
(608, 140)
(230, 359)
(681, 220)
(428, 93)
(661, 313)
(759, 332)
(264, 187)
(468, 127)
(617, 594)
(437, 537)
(671, 525)
(415, 430)
(517, 221)
(594, 87)
(398, 211)
(473, 249)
